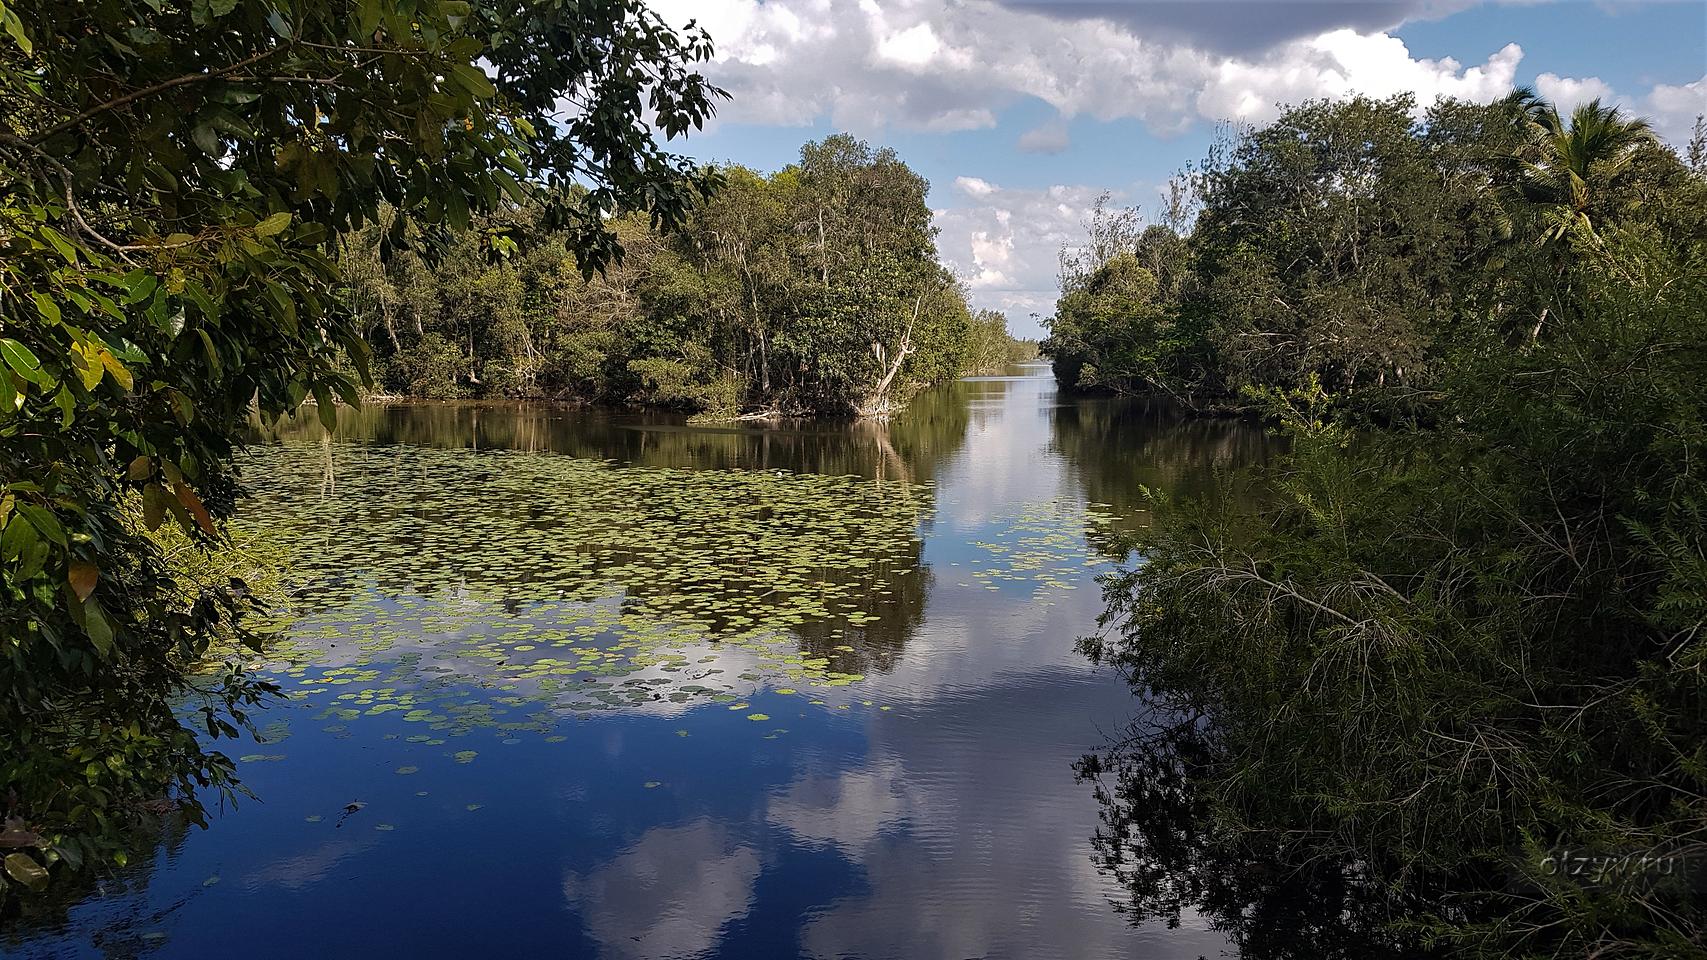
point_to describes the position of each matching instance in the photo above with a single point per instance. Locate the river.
(567, 683)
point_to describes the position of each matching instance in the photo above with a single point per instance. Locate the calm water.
(616, 686)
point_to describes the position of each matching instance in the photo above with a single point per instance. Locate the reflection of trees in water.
(899, 606)
(908, 448)
(1275, 895)
(1115, 447)
(131, 922)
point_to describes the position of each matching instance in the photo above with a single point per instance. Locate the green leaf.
(44, 521)
(323, 406)
(283, 307)
(47, 308)
(23, 868)
(473, 79)
(205, 137)
(273, 224)
(154, 504)
(209, 349)
(97, 626)
(198, 295)
(60, 244)
(15, 29)
(23, 362)
(139, 286)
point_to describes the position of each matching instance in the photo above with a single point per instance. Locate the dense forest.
(814, 290)
(1357, 246)
(1432, 683)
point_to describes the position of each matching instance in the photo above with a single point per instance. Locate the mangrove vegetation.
(1402, 684)
(813, 290)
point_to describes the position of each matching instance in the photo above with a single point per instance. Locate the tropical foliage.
(1356, 245)
(813, 290)
(1444, 663)
(172, 181)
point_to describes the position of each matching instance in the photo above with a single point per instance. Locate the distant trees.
(816, 289)
(1352, 245)
(990, 349)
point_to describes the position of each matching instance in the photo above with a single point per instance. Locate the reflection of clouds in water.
(307, 869)
(849, 810)
(1009, 426)
(954, 652)
(973, 835)
(669, 894)
(419, 647)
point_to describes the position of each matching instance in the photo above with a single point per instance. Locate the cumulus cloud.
(1568, 93)
(942, 66)
(1005, 243)
(1343, 63)
(1673, 109)
(1243, 27)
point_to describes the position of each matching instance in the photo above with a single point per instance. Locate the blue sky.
(1020, 112)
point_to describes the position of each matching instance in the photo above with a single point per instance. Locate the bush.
(1434, 658)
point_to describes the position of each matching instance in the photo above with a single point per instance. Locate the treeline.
(813, 290)
(1353, 245)
(1436, 682)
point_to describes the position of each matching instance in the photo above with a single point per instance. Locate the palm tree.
(1565, 170)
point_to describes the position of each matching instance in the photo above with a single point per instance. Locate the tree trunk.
(390, 326)
(877, 401)
(823, 249)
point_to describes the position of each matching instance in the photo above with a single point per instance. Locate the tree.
(812, 290)
(1697, 152)
(172, 180)
(1568, 170)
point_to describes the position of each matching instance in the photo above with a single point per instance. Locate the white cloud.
(1673, 109)
(914, 46)
(1005, 244)
(974, 187)
(1568, 93)
(944, 65)
(1343, 63)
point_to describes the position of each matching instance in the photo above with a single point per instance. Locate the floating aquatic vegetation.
(1044, 546)
(503, 590)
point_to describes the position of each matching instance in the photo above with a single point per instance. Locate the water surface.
(618, 686)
